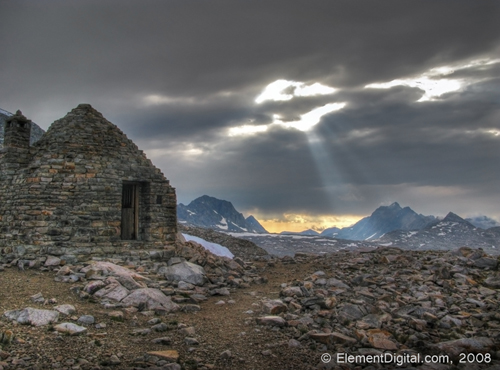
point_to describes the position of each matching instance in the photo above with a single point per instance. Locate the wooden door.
(130, 212)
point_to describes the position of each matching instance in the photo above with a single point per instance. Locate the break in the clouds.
(300, 113)
(434, 83)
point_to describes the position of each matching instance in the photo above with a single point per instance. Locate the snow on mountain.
(216, 214)
(215, 248)
(383, 220)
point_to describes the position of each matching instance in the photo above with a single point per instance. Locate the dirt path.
(217, 328)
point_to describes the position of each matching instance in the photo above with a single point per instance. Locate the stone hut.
(84, 190)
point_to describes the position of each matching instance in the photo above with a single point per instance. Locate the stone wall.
(67, 199)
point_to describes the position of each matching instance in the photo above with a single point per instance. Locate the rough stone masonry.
(83, 190)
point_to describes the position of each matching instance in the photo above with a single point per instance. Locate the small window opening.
(159, 199)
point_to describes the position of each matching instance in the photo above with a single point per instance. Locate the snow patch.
(223, 225)
(216, 249)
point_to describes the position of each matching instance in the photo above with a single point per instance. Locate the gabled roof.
(84, 128)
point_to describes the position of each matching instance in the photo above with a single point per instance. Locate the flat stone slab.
(108, 268)
(151, 298)
(270, 321)
(32, 316)
(169, 354)
(114, 291)
(70, 328)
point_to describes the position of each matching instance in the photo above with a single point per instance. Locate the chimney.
(17, 131)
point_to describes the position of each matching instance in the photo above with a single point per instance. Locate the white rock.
(152, 298)
(185, 271)
(70, 328)
(33, 316)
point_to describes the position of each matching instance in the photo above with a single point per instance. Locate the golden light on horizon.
(301, 222)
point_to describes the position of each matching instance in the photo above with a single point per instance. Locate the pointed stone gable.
(85, 190)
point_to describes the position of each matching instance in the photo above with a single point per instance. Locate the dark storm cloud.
(177, 75)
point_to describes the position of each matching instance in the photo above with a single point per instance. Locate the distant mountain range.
(308, 232)
(441, 234)
(383, 220)
(36, 131)
(386, 219)
(216, 214)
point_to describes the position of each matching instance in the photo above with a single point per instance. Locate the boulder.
(151, 299)
(33, 316)
(185, 271)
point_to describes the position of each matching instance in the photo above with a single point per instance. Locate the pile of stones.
(181, 283)
(389, 300)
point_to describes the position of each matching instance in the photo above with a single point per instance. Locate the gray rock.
(291, 292)
(151, 299)
(273, 307)
(185, 286)
(185, 271)
(191, 341)
(65, 309)
(94, 286)
(128, 282)
(37, 298)
(270, 321)
(486, 262)
(163, 340)
(493, 282)
(160, 327)
(114, 291)
(191, 308)
(464, 345)
(52, 261)
(33, 316)
(337, 283)
(352, 312)
(220, 291)
(86, 319)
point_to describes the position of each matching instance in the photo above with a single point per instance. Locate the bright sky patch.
(432, 88)
(433, 82)
(283, 90)
(310, 119)
(247, 130)
(300, 222)
(307, 121)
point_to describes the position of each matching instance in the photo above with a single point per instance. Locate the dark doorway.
(130, 211)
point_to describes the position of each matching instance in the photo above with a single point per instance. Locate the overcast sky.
(302, 113)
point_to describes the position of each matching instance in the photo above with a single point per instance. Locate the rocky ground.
(279, 313)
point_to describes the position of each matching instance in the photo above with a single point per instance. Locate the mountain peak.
(452, 217)
(217, 214)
